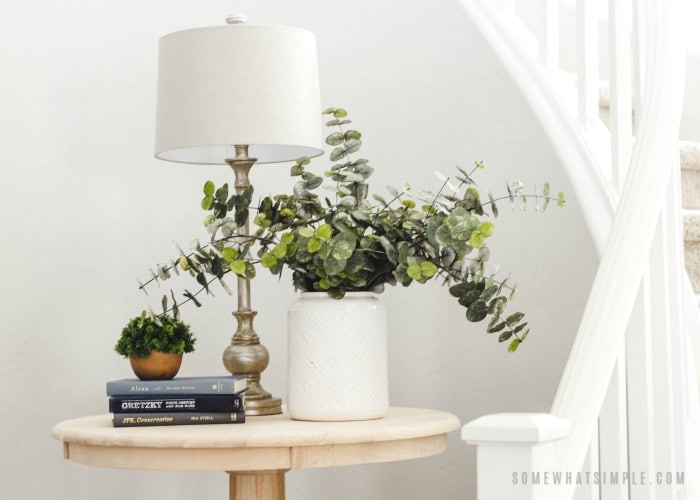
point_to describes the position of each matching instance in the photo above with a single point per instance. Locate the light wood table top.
(257, 453)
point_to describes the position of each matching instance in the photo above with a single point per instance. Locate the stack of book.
(180, 401)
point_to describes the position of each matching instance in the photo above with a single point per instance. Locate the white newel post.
(516, 454)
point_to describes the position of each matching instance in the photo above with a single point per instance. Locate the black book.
(219, 403)
(185, 418)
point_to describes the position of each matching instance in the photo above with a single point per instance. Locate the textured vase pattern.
(337, 357)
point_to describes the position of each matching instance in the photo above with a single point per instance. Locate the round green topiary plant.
(145, 333)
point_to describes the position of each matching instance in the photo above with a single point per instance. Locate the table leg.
(256, 485)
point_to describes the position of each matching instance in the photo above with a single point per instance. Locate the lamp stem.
(241, 165)
(246, 355)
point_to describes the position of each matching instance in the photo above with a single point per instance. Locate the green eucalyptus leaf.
(496, 327)
(477, 311)
(313, 183)
(192, 297)
(514, 319)
(391, 253)
(229, 254)
(461, 288)
(221, 194)
(379, 198)
(505, 336)
(476, 239)
(241, 216)
(314, 244)
(486, 229)
(335, 138)
(428, 269)
(184, 264)
(216, 266)
(352, 135)
(488, 293)
(401, 274)
(305, 232)
(348, 201)
(324, 232)
(414, 271)
(268, 260)
(333, 265)
(353, 146)
(343, 246)
(280, 250)
(494, 207)
(560, 200)
(249, 271)
(355, 262)
(519, 328)
(238, 267)
(338, 154)
(209, 188)
(202, 280)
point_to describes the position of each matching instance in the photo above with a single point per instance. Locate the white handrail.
(612, 297)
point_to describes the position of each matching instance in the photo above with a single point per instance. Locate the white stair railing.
(623, 406)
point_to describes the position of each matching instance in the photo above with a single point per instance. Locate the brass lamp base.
(247, 356)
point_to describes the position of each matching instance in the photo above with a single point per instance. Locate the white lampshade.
(238, 84)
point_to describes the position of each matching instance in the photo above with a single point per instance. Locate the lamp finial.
(236, 18)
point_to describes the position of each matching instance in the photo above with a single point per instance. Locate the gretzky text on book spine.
(156, 404)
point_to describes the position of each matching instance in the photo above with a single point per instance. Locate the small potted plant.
(154, 345)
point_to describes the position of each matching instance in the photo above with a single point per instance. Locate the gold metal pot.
(156, 366)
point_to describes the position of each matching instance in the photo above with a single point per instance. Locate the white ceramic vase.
(337, 357)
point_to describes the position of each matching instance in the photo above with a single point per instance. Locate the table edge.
(401, 423)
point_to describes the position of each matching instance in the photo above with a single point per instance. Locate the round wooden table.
(257, 454)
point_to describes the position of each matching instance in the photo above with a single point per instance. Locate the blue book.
(231, 384)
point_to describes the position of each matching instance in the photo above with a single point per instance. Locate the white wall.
(86, 209)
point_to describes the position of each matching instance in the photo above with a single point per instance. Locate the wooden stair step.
(690, 174)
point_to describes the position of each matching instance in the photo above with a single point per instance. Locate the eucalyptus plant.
(350, 241)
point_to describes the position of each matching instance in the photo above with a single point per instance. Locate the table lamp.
(239, 94)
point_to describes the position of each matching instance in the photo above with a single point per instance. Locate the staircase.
(689, 154)
(690, 178)
(625, 421)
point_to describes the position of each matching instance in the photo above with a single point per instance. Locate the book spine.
(205, 385)
(187, 418)
(158, 404)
